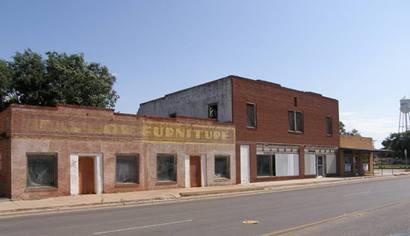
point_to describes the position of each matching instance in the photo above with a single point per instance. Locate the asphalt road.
(370, 208)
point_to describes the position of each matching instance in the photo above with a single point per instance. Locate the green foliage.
(354, 132)
(5, 78)
(29, 84)
(343, 131)
(60, 79)
(397, 143)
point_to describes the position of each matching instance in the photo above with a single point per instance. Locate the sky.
(356, 51)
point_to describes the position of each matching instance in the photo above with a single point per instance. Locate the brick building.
(63, 150)
(281, 133)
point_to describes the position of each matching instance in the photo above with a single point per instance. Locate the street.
(370, 208)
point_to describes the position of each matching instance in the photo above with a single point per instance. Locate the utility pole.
(405, 155)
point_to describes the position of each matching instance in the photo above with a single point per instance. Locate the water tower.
(404, 118)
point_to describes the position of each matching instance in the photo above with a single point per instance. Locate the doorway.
(245, 171)
(86, 170)
(86, 175)
(195, 171)
(321, 166)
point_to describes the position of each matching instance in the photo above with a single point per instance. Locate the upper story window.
(296, 123)
(251, 115)
(213, 111)
(329, 126)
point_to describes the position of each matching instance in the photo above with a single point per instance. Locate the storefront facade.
(70, 150)
(356, 156)
(281, 133)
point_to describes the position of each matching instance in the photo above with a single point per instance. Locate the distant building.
(356, 156)
(281, 133)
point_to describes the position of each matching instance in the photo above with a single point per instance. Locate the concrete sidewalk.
(10, 208)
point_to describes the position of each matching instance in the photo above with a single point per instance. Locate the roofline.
(243, 78)
(74, 106)
(358, 149)
(186, 89)
(109, 110)
(280, 86)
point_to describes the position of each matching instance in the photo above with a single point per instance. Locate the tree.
(354, 132)
(343, 131)
(29, 84)
(73, 81)
(397, 142)
(60, 79)
(5, 78)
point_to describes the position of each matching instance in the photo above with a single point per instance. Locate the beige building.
(355, 156)
(69, 150)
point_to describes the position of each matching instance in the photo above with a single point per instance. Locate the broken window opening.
(213, 111)
(166, 167)
(222, 167)
(127, 169)
(42, 170)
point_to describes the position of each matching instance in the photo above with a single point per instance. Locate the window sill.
(329, 135)
(266, 177)
(41, 189)
(127, 185)
(221, 179)
(295, 132)
(274, 176)
(170, 182)
(251, 127)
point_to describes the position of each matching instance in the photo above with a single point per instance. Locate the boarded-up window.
(127, 169)
(287, 164)
(310, 164)
(265, 165)
(222, 167)
(166, 167)
(251, 115)
(329, 125)
(331, 164)
(41, 170)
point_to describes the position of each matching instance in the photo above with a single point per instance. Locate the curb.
(192, 195)
(221, 191)
(279, 187)
(24, 211)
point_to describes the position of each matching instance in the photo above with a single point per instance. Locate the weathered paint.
(103, 134)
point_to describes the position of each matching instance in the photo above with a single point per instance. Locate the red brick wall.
(5, 154)
(272, 104)
(66, 130)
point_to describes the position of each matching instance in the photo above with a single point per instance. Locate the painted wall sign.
(81, 127)
(166, 131)
(146, 130)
